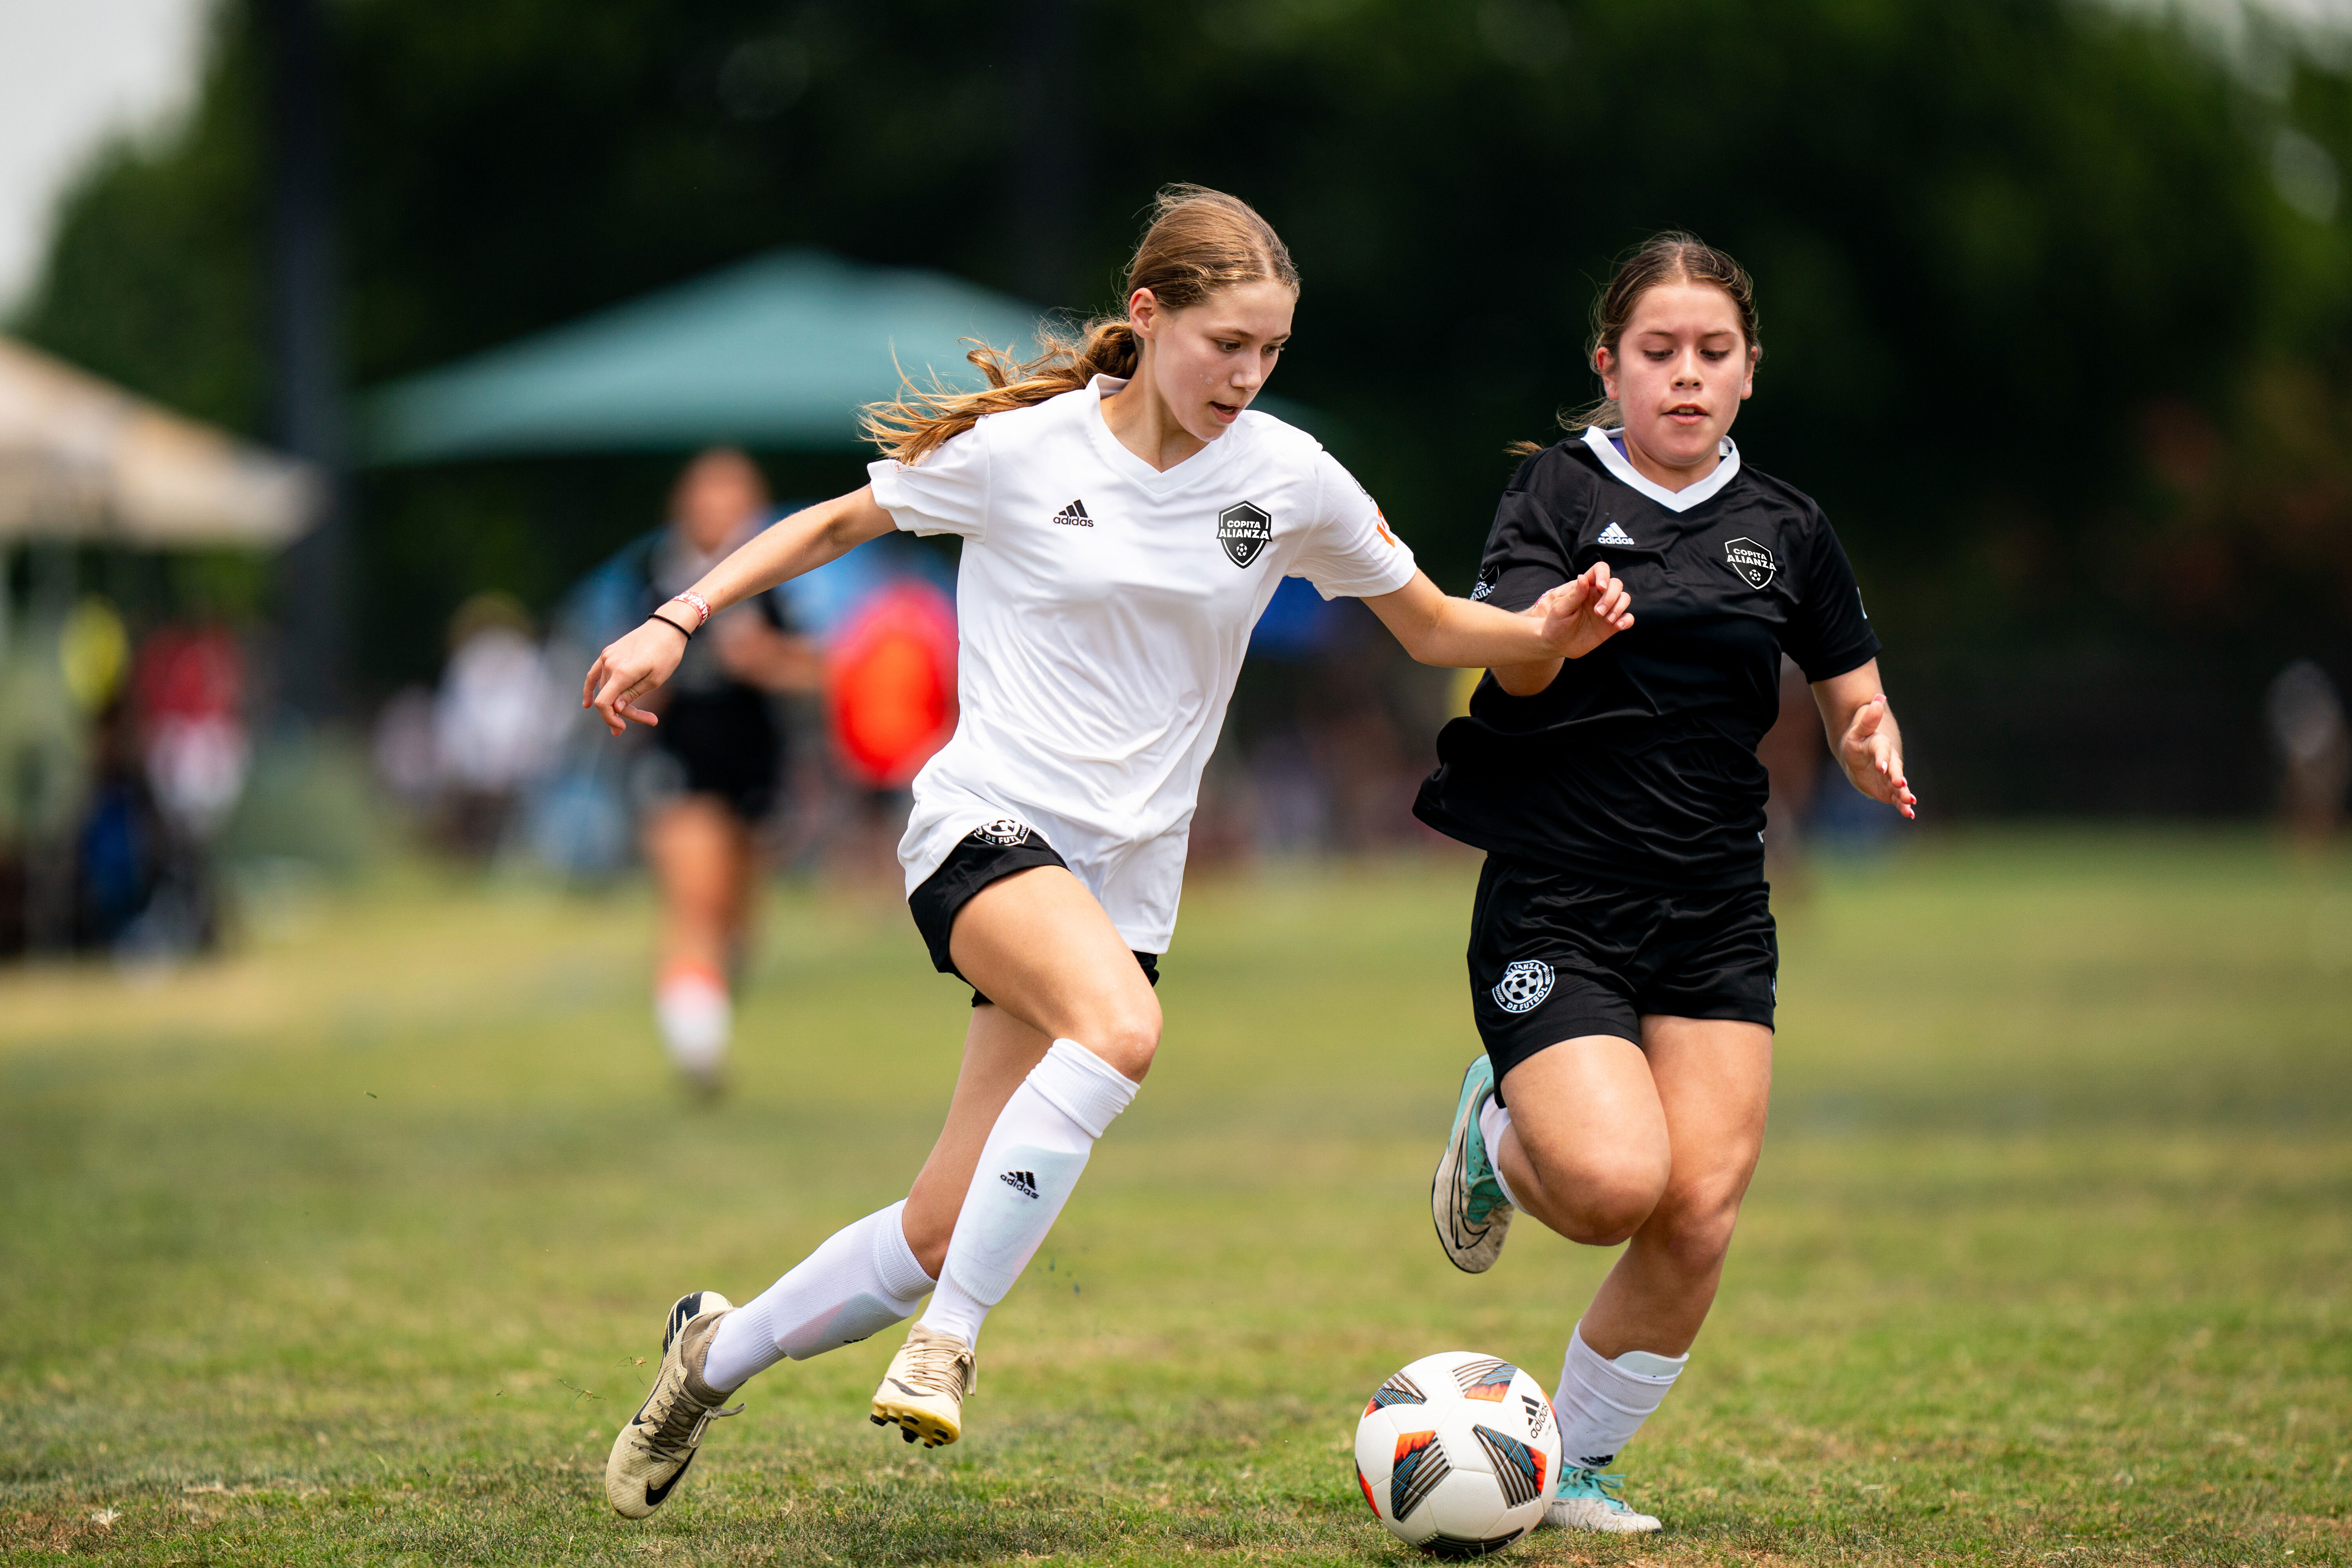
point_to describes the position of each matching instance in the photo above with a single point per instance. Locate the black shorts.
(725, 743)
(1555, 955)
(979, 857)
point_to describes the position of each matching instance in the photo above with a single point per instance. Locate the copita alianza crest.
(1525, 983)
(1005, 832)
(1751, 560)
(1244, 530)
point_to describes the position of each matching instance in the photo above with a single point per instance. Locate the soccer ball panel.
(1467, 1506)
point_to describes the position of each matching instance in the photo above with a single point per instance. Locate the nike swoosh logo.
(655, 1495)
(910, 1392)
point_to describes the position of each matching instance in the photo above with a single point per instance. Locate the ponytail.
(920, 419)
(1201, 241)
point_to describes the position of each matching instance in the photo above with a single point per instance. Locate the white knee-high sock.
(1494, 1120)
(860, 1280)
(1601, 1403)
(1028, 1169)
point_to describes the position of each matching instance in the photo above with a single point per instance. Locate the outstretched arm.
(1569, 622)
(634, 665)
(1864, 734)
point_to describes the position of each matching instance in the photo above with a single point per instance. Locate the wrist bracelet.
(672, 626)
(697, 604)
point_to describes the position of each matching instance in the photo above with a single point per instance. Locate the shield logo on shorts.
(1005, 832)
(1525, 983)
(1244, 530)
(1751, 560)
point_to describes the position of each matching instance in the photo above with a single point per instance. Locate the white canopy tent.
(81, 460)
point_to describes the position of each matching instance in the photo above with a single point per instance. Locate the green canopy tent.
(775, 353)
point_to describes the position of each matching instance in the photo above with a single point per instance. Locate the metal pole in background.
(305, 351)
(1050, 159)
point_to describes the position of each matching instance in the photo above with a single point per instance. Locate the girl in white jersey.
(1124, 518)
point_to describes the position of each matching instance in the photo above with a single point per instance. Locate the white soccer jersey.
(1104, 609)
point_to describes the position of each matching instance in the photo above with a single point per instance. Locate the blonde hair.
(1200, 243)
(1670, 257)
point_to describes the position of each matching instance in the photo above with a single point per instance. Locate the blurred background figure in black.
(711, 772)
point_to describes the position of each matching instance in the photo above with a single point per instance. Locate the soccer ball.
(1456, 1454)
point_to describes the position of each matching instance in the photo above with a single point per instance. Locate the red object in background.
(188, 690)
(890, 683)
(189, 673)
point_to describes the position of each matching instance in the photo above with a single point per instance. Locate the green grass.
(344, 1250)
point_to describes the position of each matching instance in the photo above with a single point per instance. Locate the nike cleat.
(922, 1394)
(651, 1455)
(1466, 1200)
(1584, 1498)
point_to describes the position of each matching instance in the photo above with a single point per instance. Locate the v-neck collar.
(1622, 468)
(1204, 463)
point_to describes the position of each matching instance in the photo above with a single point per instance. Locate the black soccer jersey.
(1639, 761)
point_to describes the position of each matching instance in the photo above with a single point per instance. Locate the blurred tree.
(2057, 302)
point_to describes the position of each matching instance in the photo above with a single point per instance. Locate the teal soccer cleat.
(1584, 1498)
(1466, 1200)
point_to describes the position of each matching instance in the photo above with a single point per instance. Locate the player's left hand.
(1580, 616)
(1872, 757)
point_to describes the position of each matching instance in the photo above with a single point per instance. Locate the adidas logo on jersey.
(1074, 516)
(1612, 534)
(1021, 1181)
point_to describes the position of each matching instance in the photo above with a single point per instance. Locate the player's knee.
(1600, 1202)
(927, 1237)
(1125, 1033)
(1694, 1229)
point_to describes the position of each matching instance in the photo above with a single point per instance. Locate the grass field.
(345, 1249)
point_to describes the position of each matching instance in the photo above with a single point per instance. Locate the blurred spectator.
(2307, 726)
(406, 762)
(495, 721)
(1336, 730)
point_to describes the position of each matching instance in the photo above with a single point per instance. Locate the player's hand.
(1872, 757)
(628, 671)
(1580, 616)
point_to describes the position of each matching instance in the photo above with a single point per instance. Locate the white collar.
(1682, 499)
(1211, 458)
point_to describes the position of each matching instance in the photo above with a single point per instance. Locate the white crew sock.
(1601, 1403)
(862, 1279)
(696, 1017)
(1494, 1120)
(1027, 1171)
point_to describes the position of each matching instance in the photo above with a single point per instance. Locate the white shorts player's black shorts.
(987, 854)
(1556, 955)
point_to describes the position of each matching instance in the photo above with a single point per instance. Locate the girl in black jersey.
(1623, 957)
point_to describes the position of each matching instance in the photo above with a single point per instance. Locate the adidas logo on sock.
(1074, 515)
(1612, 534)
(1021, 1181)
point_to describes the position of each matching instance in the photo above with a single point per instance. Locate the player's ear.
(1143, 312)
(1606, 364)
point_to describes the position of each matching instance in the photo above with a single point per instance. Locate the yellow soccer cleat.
(922, 1394)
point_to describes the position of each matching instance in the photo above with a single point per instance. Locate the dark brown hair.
(1670, 257)
(1200, 242)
